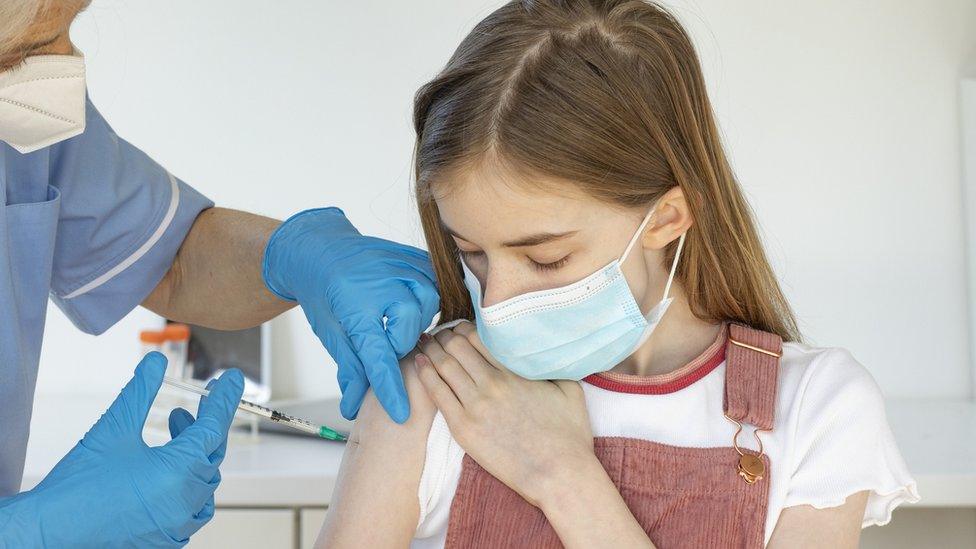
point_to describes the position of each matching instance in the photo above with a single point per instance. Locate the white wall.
(842, 119)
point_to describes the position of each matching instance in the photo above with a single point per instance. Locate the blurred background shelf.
(938, 441)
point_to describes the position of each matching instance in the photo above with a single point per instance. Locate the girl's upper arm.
(380, 473)
(804, 526)
(847, 471)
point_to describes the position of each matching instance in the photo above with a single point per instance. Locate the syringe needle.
(274, 415)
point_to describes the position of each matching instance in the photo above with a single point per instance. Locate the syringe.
(273, 415)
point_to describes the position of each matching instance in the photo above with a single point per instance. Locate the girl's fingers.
(468, 331)
(440, 392)
(448, 368)
(470, 358)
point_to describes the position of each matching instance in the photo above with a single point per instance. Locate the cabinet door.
(247, 529)
(311, 523)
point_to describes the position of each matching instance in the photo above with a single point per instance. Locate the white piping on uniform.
(174, 203)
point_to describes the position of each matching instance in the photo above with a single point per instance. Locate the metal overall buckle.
(751, 467)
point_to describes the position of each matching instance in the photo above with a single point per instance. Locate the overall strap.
(751, 368)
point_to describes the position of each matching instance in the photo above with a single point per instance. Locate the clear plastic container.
(152, 340)
(173, 342)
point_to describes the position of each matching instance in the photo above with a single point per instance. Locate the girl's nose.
(497, 286)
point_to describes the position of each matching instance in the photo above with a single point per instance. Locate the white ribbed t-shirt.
(830, 438)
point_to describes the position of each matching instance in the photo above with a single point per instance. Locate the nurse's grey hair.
(16, 17)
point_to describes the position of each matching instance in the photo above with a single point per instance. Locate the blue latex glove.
(346, 284)
(112, 490)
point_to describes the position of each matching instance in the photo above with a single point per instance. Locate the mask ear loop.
(637, 235)
(677, 253)
(674, 265)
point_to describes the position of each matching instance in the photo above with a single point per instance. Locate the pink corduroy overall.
(681, 496)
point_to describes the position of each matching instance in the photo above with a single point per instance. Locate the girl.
(570, 174)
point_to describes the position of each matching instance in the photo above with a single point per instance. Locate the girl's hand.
(525, 433)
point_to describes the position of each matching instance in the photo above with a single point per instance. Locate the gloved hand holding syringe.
(273, 415)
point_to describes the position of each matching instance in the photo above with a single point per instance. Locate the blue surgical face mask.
(572, 331)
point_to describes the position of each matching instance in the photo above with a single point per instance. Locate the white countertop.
(937, 439)
(268, 471)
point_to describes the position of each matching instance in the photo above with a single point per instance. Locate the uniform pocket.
(27, 234)
(30, 235)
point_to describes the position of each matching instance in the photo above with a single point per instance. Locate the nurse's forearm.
(215, 280)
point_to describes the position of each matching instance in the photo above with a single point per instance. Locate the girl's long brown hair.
(608, 95)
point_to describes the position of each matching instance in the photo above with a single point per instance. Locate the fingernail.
(422, 360)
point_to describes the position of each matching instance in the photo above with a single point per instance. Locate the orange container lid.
(177, 332)
(152, 336)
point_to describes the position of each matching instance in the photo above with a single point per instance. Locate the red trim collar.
(640, 385)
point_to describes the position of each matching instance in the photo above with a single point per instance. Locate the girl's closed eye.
(552, 265)
(475, 255)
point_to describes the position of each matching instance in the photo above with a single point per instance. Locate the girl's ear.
(671, 219)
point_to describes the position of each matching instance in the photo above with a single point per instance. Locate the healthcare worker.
(94, 223)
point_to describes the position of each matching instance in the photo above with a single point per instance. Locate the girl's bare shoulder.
(373, 425)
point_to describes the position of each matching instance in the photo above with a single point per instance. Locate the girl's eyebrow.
(523, 242)
(536, 239)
